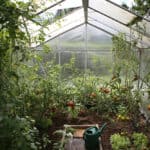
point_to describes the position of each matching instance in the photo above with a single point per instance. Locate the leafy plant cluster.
(17, 123)
(119, 142)
(136, 141)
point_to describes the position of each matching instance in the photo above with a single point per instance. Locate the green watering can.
(91, 137)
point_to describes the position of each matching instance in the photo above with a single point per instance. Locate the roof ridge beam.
(85, 4)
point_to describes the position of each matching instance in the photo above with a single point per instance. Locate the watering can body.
(91, 137)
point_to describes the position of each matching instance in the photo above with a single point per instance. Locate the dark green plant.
(17, 131)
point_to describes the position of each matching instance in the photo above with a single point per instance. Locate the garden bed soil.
(113, 126)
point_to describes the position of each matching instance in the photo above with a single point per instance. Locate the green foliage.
(125, 59)
(18, 133)
(122, 113)
(74, 111)
(100, 64)
(137, 141)
(106, 98)
(66, 134)
(119, 142)
(17, 130)
(140, 141)
(141, 7)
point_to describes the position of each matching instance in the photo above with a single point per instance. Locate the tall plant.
(125, 59)
(16, 128)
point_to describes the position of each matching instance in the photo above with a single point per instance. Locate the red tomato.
(106, 90)
(93, 95)
(148, 107)
(71, 104)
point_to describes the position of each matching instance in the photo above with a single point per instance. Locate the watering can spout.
(100, 131)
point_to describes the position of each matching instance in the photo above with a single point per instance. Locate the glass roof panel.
(68, 4)
(59, 4)
(53, 12)
(112, 10)
(66, 23)
(113, 27)
(128, 3)
(45, 3)
(74, 40)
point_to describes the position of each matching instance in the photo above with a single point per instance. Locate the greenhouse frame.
(95, 19)
(75, 74)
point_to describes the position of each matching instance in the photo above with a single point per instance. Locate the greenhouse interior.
(74, 75)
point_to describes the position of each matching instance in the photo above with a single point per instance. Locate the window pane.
(114, 27)
(112, 10)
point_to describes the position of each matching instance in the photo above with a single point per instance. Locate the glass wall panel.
(99, 54)
(49, 51)
(143, 27)
(72, 51)
(73, 40)
(145, 62)
(145, 84)
(51, 44)
(68, 48)
(98, 40)
(73, 63)
(100, 63)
